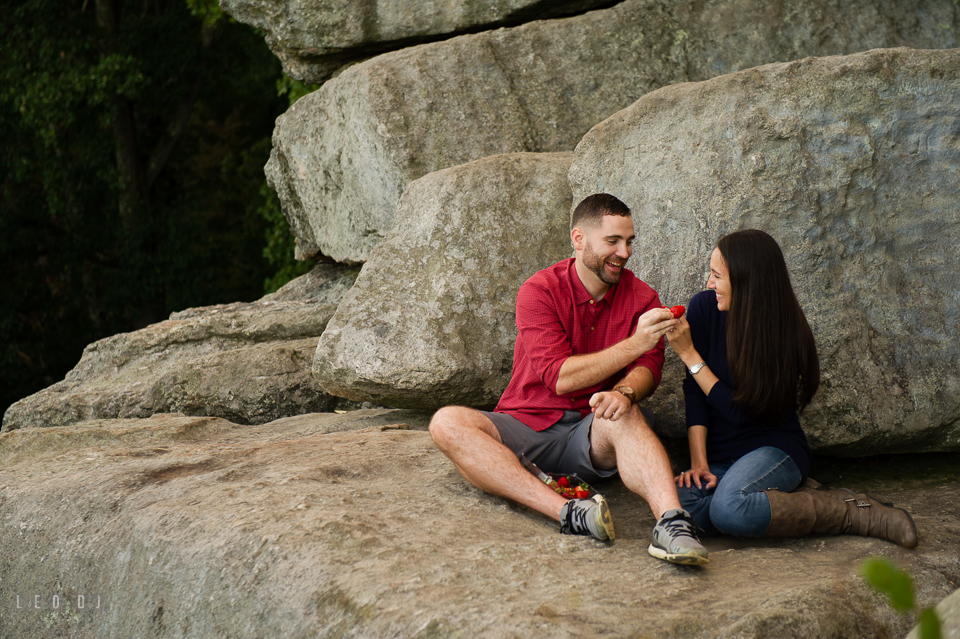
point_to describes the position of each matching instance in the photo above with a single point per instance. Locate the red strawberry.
(677, 311)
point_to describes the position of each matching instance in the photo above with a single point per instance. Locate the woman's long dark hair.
(770, 347)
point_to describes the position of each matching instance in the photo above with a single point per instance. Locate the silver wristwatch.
(696, 368)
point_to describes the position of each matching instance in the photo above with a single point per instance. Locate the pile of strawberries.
(568, 490)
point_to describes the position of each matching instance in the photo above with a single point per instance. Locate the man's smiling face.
(606, 248)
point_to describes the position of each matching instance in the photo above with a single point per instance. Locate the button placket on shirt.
(593, 312)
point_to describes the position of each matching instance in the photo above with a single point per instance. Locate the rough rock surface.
(343, 155)
(314, 38)
(247, 362)
(853, 164)
(197, 527)
(430, 320)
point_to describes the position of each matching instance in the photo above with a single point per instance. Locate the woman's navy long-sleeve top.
(731, 432)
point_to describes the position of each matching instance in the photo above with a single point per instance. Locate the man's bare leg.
(631, 446)
(472, 442)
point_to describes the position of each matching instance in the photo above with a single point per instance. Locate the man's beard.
(594, 263)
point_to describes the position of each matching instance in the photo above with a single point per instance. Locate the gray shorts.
(563, 448)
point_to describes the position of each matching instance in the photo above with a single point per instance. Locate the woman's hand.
(701, 477)
(679, 337)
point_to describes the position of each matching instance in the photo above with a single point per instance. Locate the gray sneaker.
(587, 517)
(675, 541)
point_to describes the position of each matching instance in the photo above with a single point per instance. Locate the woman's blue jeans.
(737, 505)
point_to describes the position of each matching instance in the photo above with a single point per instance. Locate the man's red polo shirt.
(557, 318)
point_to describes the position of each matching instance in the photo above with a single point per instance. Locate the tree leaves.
(894, 583)
(898, 587)
(193, 95)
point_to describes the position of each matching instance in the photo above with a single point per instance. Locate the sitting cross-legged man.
(589, 347)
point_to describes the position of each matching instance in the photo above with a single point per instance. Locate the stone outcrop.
(851, 163)
(247, 362)
(343, 155)
(356, 525)
(314, 38)
(430, 320)
(244, 521)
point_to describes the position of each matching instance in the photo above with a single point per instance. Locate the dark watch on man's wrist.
(627, 392)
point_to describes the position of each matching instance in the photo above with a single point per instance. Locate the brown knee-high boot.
(812, 485)
(801, 513)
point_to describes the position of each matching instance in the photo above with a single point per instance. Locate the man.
(589, 347)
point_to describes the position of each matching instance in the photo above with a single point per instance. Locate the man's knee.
(642, 416)
(635, 418)
(443, 424)
(448, 423)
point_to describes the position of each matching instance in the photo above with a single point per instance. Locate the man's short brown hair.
(591, 210)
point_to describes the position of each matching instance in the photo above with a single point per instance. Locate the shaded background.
(132, 142)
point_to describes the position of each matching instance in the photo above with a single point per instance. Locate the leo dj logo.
(82, 602)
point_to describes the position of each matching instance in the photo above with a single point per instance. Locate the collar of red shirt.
(580, 293)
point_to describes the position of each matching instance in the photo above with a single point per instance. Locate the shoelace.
(678, 526)
(577, 519)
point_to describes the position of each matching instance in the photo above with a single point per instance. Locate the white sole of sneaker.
(689, 559)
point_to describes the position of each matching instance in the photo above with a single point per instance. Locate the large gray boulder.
(357, 526)
(247, 362)
(430, 321)
(343, 154)
(851, 163)
(314, 38)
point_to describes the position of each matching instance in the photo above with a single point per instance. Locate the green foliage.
(198, 94)
(294, 89)
(894, 583)
(208, 10)
(929, 624)
(898, 587)
(280, 249)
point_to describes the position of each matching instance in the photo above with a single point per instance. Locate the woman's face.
(719, 280)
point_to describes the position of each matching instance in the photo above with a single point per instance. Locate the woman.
(752, 368)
